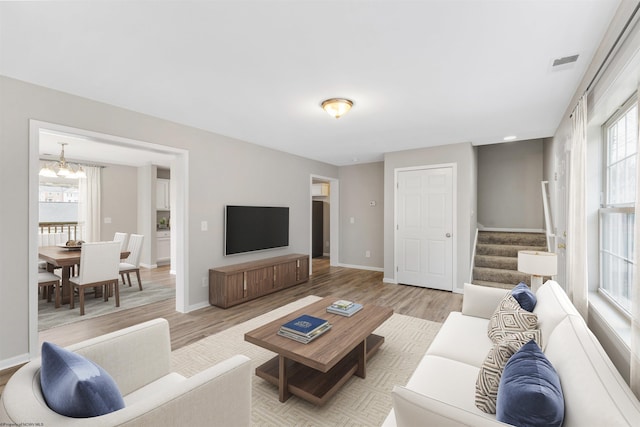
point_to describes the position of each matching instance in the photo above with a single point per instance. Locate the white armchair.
(138, 358)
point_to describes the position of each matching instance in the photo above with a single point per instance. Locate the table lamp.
(538, 264)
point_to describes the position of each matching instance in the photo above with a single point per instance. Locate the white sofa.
(138, 358)
(441, 391)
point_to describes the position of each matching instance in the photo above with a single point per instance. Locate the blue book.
(304, 325)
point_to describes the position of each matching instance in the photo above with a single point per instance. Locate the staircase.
(496, 260)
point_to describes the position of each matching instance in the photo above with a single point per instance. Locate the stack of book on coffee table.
(304, 329)
(344, 308)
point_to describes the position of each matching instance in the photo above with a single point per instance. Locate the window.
(617, 215)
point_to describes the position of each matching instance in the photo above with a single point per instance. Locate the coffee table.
(316, 371)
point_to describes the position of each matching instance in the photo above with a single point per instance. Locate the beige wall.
(464, 156)
(509, 193)
(119, 200)
(221, 171)
(360, 185)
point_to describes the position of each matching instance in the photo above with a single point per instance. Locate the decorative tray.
(69, 248)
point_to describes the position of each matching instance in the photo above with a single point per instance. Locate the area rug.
(360, 402)
(130, 297)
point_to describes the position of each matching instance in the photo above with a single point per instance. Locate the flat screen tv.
(255, 228)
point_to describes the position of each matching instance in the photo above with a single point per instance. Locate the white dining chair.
(50, 284)
(132, 263)
(122, 238)
(98, 268)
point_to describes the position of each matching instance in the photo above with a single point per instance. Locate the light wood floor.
(359, 285)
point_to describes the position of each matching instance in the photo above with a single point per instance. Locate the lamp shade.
(538, 263)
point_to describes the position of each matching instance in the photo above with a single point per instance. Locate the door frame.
(454, 213)
(334, 219)
(179, 170)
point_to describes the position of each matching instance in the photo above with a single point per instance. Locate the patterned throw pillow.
(508, 318)
(493, 365)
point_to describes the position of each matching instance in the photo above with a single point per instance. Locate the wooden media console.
(234, 284)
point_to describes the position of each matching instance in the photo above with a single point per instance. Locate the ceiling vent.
(565, 60)
(564, 63)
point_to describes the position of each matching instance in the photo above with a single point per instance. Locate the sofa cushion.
(525, 297)
(75, 386)
(608, 401)
(552, 307)
(445, 380)
(508, 318)
(462, 338)
(491, 370)
(529, 393)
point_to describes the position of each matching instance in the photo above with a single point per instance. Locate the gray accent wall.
(360, 185)
(509, 191)
(221, 171)
(464, 156)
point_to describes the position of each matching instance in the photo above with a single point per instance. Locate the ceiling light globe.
(337, 107)
(47, 171)
(64, 171)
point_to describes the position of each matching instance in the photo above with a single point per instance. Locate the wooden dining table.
(64, 258)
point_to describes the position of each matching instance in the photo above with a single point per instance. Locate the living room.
(218, 170)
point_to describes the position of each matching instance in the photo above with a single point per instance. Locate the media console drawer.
(234, 284)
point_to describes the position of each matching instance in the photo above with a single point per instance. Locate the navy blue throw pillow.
(529, 393)
(525, 297)
(75, 386)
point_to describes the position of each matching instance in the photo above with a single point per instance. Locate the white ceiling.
(420, 73)
(92, 150)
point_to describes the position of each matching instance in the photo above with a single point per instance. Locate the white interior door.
(424, 234)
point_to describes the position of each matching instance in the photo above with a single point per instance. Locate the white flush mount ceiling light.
(337, 107)
(64, 169)
(509, 138)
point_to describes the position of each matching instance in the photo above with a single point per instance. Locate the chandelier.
(64, 169)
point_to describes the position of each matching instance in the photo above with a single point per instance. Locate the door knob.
(448, 234)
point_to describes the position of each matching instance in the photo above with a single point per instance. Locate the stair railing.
(551, 237)
(473, 257)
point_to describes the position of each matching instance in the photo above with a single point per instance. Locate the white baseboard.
(389, 280)
(360, 267)
(14, 361)
(197, 306)
(148, 265)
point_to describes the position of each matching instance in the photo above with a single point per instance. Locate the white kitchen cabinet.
(163, 246)
(162, 194)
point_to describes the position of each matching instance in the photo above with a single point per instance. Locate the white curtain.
(89, 204)
(635, 290)
(577, 269)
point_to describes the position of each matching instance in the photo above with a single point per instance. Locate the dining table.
(63, 257)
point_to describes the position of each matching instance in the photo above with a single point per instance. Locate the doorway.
(323, 221)
(179, 186)
(425, 215)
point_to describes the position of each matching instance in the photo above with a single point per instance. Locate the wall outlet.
(367, 254)
(204, 225)
(352, 220)
(204, 282)
(107, 220)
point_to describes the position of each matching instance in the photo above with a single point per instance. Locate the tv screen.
(254, 228)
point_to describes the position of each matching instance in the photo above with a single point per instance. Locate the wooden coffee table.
(316, 371)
